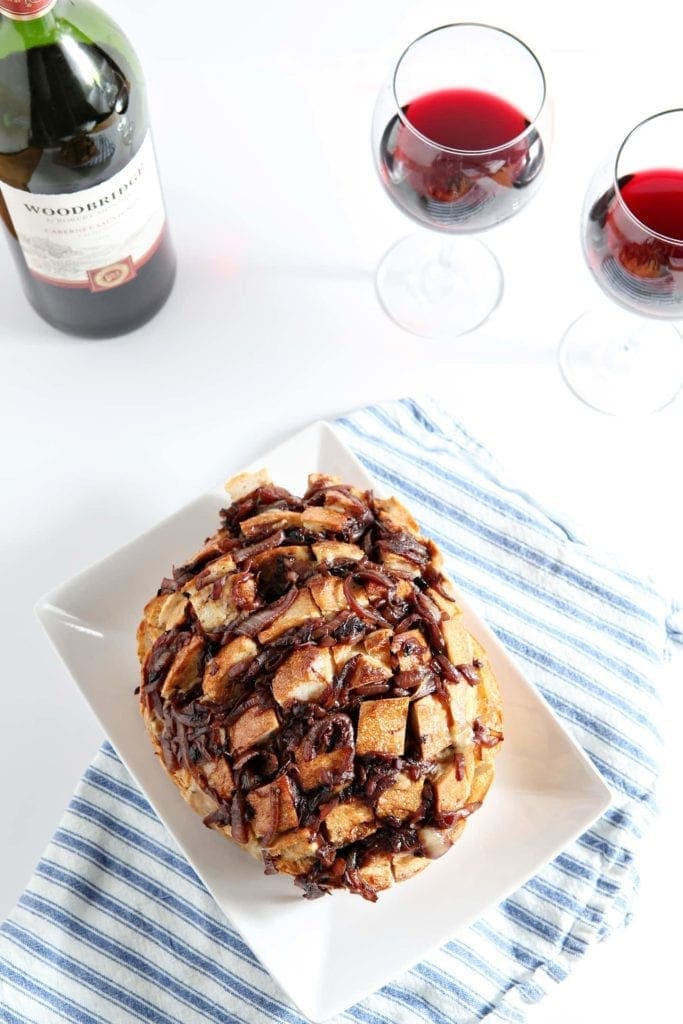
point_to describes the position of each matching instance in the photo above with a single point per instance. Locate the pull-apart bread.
(310, 688)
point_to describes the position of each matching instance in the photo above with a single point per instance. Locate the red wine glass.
(632, 227)
(460, 138)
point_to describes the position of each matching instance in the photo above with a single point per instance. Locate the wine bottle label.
(24, 10)
(98, 238)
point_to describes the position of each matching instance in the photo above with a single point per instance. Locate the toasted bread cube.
(437, 564)
(488, 695)
(213, 613)
(411, 648)
(211, 548)
(270, 521)
(391, 511)
(463, 703)
(273, 807)
(304, 676)
(214, 571)
(349, 822)
(458, 641)
(186, 670)
(429, 720)
(302, 610)
(328, 594)
(291, 552)
(240, 486)
(317, 772)
(341, 653)
(483, 777)
(216, 684)
(253, 727)
(451, 793)
(341, 500)
(319, 519)
(166, 611)
(406, 865)
(377, 645)
(330, 551)
(319, 480)
(201, 802)
(243, 591)
(382, 726)
(161, 614)
(375, 591)
(400, 800)
(436, 559)
(377, 873)
(219, 777)
(294, 852)
(367, 672)
(396, 563)
(146, 637)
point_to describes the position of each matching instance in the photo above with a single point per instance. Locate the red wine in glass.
(456, 139)
(634, 241)
(459, 159)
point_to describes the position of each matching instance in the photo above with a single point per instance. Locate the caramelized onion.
(254, 769)
(273, 817)
(449, 819)
(261, 620)
(259, 500)
(437, 581)
(470, 673)
(448, 670)
(484, 736)
(260, 699)
(220, 818)
(404, 544)
(162, 655)
(372, 575)
(347, 627)
(351, 503)
(273, 540)
(331, 733)
(413, 678)
(432, 619)
(369, 613)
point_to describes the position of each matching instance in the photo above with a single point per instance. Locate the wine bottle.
(79, 188)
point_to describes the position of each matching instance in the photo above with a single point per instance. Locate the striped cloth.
(115, 927)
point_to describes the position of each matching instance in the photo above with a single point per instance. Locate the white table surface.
(261, 115)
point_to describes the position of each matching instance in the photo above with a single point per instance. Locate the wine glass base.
(439, 287)
(622, 365)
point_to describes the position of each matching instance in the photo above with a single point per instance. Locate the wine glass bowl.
(458, 151)
(633, 220)
(460, 136)
(632, 235)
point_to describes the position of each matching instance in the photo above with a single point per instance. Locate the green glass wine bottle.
(79, 188)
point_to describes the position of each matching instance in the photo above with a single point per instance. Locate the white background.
(261, 117)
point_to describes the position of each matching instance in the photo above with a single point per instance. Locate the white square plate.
(546, 791)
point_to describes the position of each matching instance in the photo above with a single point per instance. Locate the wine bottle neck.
(26, 10)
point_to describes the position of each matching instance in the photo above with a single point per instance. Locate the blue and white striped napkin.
(115, 927)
